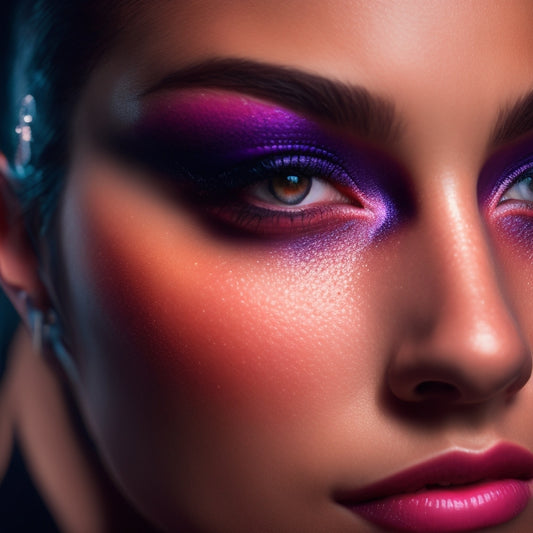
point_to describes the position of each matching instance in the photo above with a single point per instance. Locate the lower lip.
(450, 510)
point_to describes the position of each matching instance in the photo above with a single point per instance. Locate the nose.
(464, 344)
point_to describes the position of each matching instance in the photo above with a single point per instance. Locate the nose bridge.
(471, 345)
(458, 248)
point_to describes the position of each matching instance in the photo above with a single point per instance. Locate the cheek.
(513, 235)
(212, 320)
(513, 238)
(212, 314)
(184, 340)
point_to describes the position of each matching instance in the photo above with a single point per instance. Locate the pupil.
(290, 189)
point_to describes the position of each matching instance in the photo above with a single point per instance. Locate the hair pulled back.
(52, 47)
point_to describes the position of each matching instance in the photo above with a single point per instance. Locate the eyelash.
(286, 219)
(513, 180)
(236, 205)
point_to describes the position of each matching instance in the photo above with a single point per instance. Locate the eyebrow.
(346, 106)
(514, 120)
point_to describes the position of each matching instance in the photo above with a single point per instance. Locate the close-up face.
(295, 254)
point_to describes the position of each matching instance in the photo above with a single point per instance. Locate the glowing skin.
(235, 382)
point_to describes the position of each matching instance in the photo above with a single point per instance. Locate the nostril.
(436, 390)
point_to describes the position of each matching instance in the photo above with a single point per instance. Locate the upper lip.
(458, 467)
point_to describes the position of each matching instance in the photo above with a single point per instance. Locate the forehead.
(345, 38)
(449, 67)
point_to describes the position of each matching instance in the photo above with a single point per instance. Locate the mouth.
(456, 492)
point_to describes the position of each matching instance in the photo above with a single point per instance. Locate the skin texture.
(235, 382)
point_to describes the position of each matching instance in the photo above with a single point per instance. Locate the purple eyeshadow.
(492, 195)
(518, 230)
(235, 127)
(206, 138)
(513, 220)
(220, 142)
(502, 169)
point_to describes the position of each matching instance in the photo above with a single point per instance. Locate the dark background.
(5, 19)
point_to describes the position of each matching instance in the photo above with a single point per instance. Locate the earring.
(47, 337)
(24, 131)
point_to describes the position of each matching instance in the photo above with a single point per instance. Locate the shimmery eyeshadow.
(517, 231)
(512, 220)
(203, 136)
(502, 168)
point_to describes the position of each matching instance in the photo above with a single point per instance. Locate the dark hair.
(6, 26)
(53, 47)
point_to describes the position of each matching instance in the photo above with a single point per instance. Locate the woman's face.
(305, 266)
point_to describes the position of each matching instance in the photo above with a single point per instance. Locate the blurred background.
(21, 508)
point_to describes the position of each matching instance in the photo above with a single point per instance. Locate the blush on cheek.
(226, 334)
(185, 317)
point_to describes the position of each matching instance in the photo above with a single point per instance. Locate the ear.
(19, 267)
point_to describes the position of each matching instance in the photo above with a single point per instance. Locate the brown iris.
(290, 189)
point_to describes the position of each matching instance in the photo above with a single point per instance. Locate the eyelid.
(510, 176)
(324, 166)
(252, 215)
(210, 179)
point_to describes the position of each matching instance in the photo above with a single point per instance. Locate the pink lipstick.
(456, 492)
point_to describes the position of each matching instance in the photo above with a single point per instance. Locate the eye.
(290, 190)
(521, 189)
(288, 196)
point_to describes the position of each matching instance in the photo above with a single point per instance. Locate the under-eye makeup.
(262, 169)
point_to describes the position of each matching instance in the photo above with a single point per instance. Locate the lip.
(455, 492)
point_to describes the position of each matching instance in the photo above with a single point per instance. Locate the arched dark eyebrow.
(350, 107)
(514, 121)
